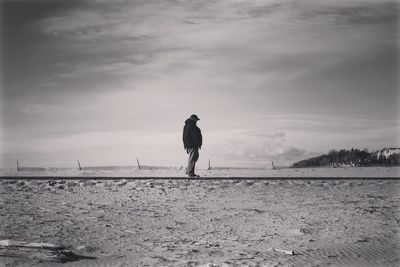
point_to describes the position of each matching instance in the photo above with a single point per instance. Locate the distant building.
(386, 152)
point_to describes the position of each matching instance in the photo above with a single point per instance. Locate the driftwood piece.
(41, 251)
(22, 244)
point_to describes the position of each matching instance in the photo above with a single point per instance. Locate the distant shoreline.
(189, 179)
(232, 174)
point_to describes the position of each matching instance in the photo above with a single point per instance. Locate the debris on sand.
(287, 252)
(42, 251)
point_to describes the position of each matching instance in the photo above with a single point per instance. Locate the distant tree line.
(352, 157)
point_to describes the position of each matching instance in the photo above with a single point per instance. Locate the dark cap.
(194, 117)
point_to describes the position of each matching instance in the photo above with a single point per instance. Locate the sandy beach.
(154, 222)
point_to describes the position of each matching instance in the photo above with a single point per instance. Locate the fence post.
(138, 164)
(273, 166)
(209, 164)
(79, 164)
(18, 169)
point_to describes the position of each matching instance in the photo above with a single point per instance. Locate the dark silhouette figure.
(192, 141)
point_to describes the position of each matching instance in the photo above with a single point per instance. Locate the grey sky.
(106, 81)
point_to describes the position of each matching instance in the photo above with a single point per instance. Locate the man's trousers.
(193, 157)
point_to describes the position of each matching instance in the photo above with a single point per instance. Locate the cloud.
(353, 12)
(270, 42)
(254, 148)
(112, 66)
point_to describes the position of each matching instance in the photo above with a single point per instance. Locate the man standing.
(192, 141)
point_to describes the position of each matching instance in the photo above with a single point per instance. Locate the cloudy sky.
(106, 81)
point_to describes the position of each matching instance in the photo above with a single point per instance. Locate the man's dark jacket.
(192, 135)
